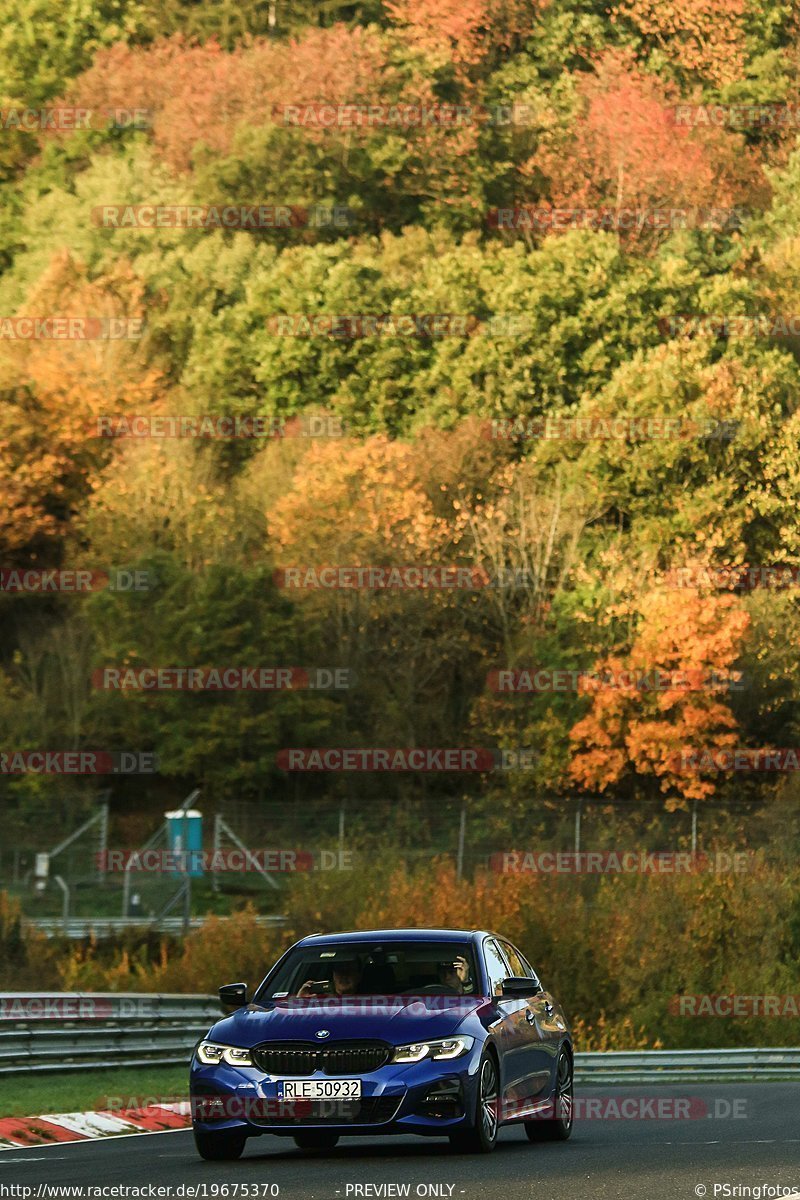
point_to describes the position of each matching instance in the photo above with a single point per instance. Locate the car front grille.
(369, 1110)
(304, 1058)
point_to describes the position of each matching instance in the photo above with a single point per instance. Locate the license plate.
(319, 1089)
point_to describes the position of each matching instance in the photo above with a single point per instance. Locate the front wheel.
(481, 1137)
(315, 1139)
(219, 1147)
(558, 1127)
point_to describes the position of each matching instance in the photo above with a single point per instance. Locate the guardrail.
(105, 927)
(681, 1066)
(72, 1031)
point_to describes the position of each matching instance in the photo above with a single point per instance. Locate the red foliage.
(201, 94)
(626, 149)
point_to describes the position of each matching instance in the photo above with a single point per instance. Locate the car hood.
(395, 1019)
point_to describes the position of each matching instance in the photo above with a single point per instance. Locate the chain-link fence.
(250, 849)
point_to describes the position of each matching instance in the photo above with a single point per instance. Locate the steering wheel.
(433, 989)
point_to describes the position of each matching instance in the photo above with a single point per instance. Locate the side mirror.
(233, 995)
(517, 986)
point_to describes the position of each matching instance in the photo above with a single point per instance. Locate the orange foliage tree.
(362, 501)
(704, 37)
(440, 899)
(362, 504)
(463, 31)
(457, 27)
(689, 639)
(54, 391)
(626, 149)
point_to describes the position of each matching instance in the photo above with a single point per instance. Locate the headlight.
(212, 1052)
(445, 1048)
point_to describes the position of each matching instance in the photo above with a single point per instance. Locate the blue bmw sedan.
(438, 1032)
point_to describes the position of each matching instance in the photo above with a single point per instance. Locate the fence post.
(187, 895)
(217, 847)
(102, 841)
(462, 829)
(64, 901)
(126, 886)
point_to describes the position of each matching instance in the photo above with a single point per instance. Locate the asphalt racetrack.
(757, 1151)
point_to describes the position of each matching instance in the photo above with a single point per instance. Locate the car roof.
(392, 935)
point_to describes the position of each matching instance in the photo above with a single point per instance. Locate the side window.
(517, 965)
(496, 966)
(529, 971)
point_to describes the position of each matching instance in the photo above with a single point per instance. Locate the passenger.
(346, 981)
(455, 975)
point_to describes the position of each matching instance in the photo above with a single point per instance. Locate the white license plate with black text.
(319, 1089)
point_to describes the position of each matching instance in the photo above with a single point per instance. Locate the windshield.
(375, 969)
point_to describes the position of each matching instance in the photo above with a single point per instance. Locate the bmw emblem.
(322, 1033)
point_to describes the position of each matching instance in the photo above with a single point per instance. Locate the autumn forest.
(442, 355)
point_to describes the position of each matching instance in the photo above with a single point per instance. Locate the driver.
(346, 981)
(455, 975)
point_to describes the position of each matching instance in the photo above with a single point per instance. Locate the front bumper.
(428, 1098)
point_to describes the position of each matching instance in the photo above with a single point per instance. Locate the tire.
(315, 1139)
(224, 1146)
(558, 1127)
(481, 1136)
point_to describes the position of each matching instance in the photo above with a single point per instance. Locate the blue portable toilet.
(185, 836)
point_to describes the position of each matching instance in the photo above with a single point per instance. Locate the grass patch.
(30, 1095)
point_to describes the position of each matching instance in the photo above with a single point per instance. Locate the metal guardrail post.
(65, 901)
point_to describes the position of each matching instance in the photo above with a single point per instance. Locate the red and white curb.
(84, 1126)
